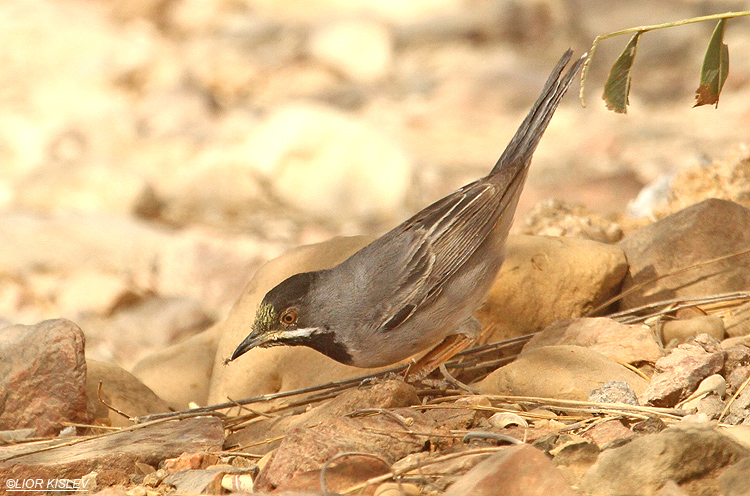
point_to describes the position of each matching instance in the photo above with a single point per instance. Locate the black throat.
(325, 342)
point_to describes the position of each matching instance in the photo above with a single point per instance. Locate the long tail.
(517, 154)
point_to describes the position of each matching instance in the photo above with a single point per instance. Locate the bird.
(419, 284)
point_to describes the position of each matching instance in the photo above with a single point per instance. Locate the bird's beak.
(253, 340)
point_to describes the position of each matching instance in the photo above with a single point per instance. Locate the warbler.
(422, 281)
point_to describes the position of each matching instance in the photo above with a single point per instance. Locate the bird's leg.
(464, 337)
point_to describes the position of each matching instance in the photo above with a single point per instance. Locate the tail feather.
(518, 153)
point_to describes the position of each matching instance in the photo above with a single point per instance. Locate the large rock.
(270, 370)
(43, 376)
(562, 371)
(620, 342)
(121, 390)
(643, 466)
(349, 171)
(361, 50)
(517, 471)
(545, 279)
(181, 373)
(692, 237)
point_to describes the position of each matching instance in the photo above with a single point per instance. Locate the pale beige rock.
(262, 371)
(121, 390)
(85, 188)
(545, 279)
(701, 237)
(556, 218)
(90, 291)
(181, 373)
(518, 470)
(737, 321)
(684, 329)
(620, 342)
(359, 49)
(328, 165)
(562, 371)
(642, 466)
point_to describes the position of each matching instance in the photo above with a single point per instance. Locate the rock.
(306, 449)
(678, 374)
(571, 276)
(670, 488)
(147, 324)
(737, 321)
(389, 394)
(691, 237)
(556, 218)
(736, 364)
(562, 371)
(608, 433)
(714, 385)
(614, 392)
(81, 188)
(518, 470)
(340, 475)
(181, 373)
(90, 291)
(359, 49)
(121, 390)
(262, 371)
(739, 411)
(645, 464)
(684, 329)
(620, 342)
(349, 171)
(43, 377)
(113, 453)
(733, 479)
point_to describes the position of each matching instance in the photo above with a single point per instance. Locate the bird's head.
(285, 317)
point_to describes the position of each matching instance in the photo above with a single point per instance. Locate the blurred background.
(153, 153)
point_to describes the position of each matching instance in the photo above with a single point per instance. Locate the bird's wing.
(440, 240)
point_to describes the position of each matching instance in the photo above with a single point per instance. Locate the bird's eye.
(289, 317)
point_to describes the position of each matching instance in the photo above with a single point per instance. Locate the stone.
(137, 328)
(518, 470)
(80, 188)
(737, 321)
(90, 291)
(684, 329)
(734, 479)
(620, 342)
(270, 370)
(554, 217)
(361, 50)
(306, 449)
(116, 452)
(679, 373)
(645, 464)
(562, 371)
(43, 376)
(349, 171)
(389, 394)
(181, 373)
(571, 276)
(614, 392)
(121, 390)
(609, 432)
(340, 475)
(691, 237)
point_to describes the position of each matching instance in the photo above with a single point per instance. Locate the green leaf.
(617, 87)
(715, 68)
